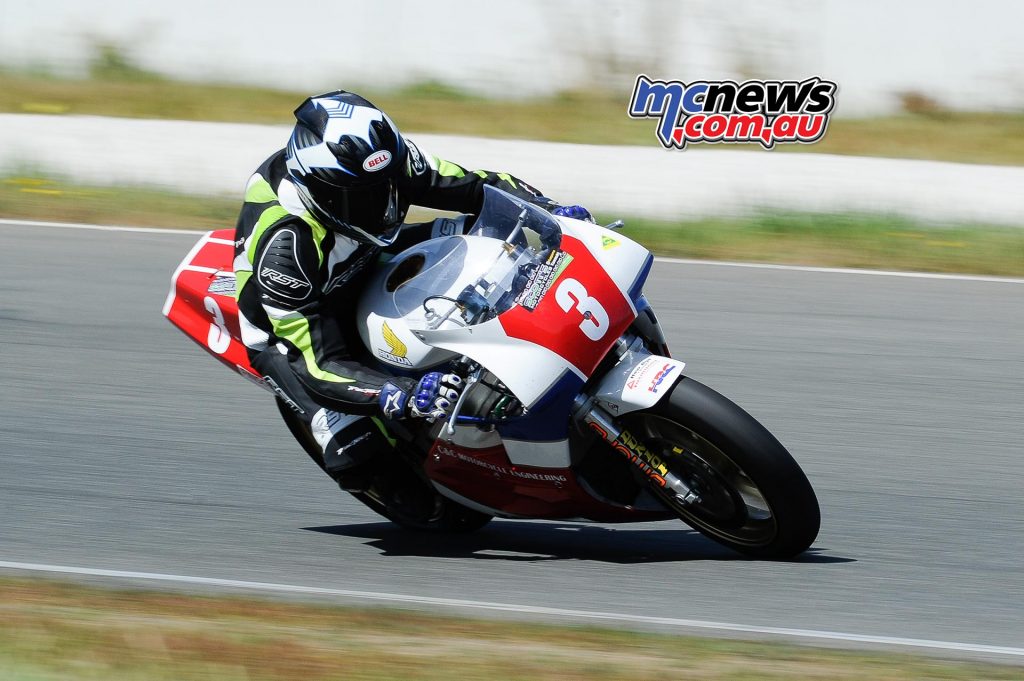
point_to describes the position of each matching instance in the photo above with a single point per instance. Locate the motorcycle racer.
(317, 215)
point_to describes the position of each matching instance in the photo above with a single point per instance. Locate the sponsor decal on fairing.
(542, 278)
(223, 284)
(501, 470)
(649, 380)
(659, 377)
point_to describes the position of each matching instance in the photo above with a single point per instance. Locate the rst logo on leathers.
(283, 279)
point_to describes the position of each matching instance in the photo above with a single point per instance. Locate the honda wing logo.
(398, 349)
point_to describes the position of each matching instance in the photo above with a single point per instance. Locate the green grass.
(51, 630)
(119, 89)
(40, 198)
(838, 240)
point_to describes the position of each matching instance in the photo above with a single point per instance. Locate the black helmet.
(345, 158)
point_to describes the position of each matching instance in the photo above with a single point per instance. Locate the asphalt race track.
(124, 447)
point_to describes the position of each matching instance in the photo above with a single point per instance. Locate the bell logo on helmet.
(375, 162)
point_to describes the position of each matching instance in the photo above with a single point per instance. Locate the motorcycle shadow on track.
(511, 540)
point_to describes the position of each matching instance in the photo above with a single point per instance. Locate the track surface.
(123, 446)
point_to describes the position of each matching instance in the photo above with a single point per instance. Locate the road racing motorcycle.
(572, 407)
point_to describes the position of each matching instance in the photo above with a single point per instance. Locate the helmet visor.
(373, 210)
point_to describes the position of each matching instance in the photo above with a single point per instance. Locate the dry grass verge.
(52, 630)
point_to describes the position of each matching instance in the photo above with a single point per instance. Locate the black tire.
(438, 514)
(753, 496)
(410, 503)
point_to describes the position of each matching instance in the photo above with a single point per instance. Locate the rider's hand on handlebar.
(433, 397)
(574, 212)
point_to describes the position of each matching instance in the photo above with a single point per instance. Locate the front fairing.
(532, 298)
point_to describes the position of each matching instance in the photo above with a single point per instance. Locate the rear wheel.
(414, 506)
(751, 494)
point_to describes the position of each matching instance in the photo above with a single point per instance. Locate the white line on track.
(100, 228)
(677, 261)
(807, 634)
(843, 270)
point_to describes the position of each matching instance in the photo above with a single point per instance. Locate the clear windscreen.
(471, 280)
(508, 218)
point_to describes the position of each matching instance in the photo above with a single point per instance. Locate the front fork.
(635, 451)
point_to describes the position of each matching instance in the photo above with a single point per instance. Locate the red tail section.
(202, 300)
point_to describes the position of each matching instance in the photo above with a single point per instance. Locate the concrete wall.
(966, 55)
(217, 158)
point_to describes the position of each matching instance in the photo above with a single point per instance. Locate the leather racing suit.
(297, 286)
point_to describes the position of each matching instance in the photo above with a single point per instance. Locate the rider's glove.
(574, 212)
(432, 398)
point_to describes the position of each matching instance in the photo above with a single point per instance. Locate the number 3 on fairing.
(218, 338)
(572, 294)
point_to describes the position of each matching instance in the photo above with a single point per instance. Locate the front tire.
(753, 497)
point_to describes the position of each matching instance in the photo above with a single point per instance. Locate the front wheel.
(751, 494)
